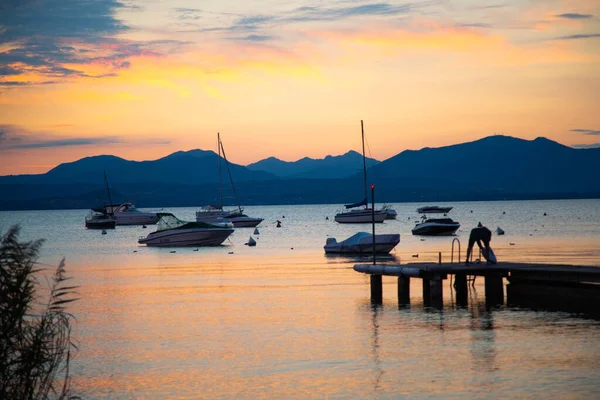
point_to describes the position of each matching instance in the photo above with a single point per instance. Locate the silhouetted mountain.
(326, 168)
(492, 168)
(495, 163)
(186, 167)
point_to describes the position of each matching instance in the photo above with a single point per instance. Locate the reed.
(35, 328)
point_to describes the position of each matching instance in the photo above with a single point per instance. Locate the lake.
(282, 320)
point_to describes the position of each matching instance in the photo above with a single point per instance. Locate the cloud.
(337, 13)
(57, 40)
(586, 131)
(256, 38)
(574, 16)
(587, 146)
(13, 137)
(579, 36)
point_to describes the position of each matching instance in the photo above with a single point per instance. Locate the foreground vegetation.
(35, 334)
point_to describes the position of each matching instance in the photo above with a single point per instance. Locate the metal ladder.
(470, 278)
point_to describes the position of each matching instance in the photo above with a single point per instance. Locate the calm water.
(282, 320)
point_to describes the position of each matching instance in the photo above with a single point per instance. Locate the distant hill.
(185, 167)
(502, 164)
(492, 168)
(326, 168)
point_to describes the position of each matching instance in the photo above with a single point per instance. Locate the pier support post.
(403, 290)
(426, 292)
(494, 289)
(376, 289)
(436, 292)
(462, 291)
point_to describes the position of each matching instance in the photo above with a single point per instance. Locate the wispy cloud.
(587, 146)
(587, 131)
(574, 16)
(13, 137)
(579, 36)
(43, 42)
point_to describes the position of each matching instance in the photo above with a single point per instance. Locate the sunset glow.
(141, 80)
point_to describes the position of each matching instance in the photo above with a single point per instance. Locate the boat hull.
(434, 210)
(136, 218)
(360, 217)
(105, 224)
(383, 245)
(431, 229)
(245, 222)
(187, 237)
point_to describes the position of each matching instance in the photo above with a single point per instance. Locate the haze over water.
(277, 322)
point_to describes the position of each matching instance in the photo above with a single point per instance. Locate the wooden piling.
(426, 292)
(376, 289)
(436, 292)
(403, 290)
(462, 290)
(494, 289)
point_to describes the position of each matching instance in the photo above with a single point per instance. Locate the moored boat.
(436, 227)
(96, 220)
(171, 231)
(362, 242)
(433, 210)
(128, 214)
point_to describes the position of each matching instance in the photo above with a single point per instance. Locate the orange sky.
(141, 80)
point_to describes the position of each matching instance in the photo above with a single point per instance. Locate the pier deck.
(529, 284)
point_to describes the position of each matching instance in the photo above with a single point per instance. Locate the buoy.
(545, 214)
(231, 252)
(503, 212)
(326, 218)
(104, 231)
(195, 249)
(256, 232)
(251, 242)
(422, 240)
(143, 226)
(471, 211)
(172, 251)
(512, 244)
(135, 251)
(292, 248)
(283, 216)
(415, 255)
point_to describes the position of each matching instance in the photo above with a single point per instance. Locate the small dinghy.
(362, 242)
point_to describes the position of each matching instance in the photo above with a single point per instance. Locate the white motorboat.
(96, 220)
(364, 215)
(361, 216)
(216, 214)
(128, 214)
(436, 227)
(171, 231)
(390, 213)
(362, 242)
(434, 210)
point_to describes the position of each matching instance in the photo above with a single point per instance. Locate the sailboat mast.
(219, 162)
(107, 191)
(230, 178)
(362, 129)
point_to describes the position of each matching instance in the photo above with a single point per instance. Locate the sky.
(143, 79)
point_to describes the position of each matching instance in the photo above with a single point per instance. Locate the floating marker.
(256, 232)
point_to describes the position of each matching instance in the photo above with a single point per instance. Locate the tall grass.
(35, 329)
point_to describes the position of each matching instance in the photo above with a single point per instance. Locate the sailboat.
(126, 213)
(363, 215)
(215, 213)
(100, 219)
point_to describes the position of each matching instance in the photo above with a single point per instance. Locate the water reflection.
(378, 370)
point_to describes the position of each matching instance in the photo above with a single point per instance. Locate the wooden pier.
(562, 287)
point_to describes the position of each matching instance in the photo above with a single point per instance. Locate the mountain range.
(491, 168)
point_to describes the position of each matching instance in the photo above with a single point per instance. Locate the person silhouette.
(480, 234)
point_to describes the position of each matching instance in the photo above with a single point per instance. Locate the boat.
(365, 215)
(435, 227)
(390, 213)
(96, 220)
(362, 242)
(215, 213)
(171, 231)
(434, 210)
(100, 219)
(128, 214)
